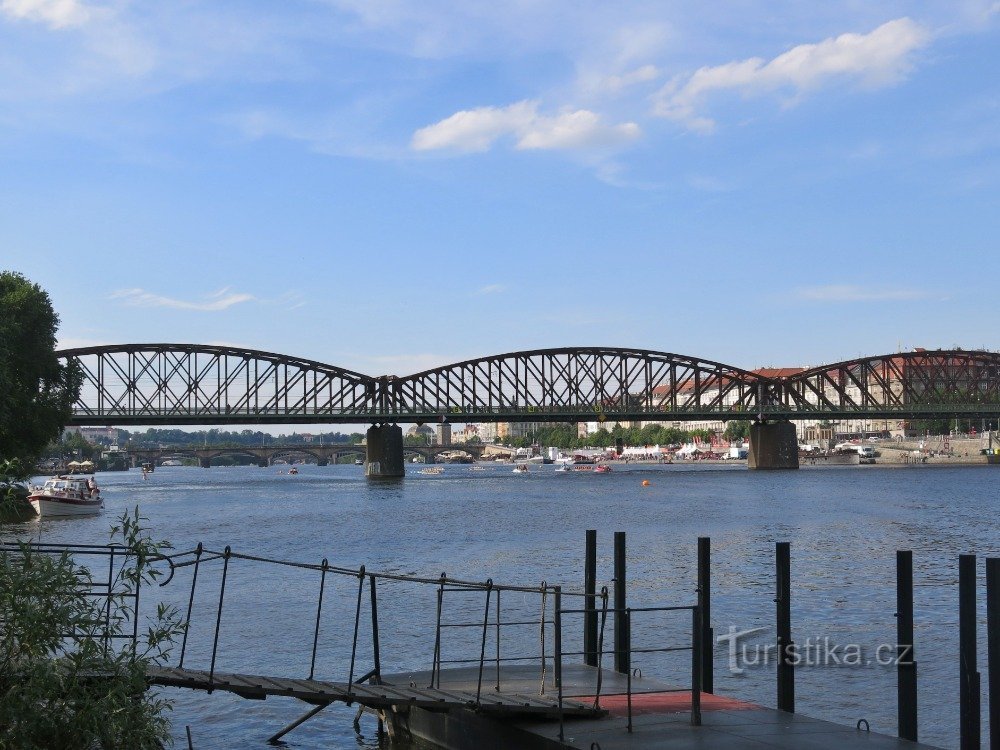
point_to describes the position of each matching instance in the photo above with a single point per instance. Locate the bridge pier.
(773, 445)
(384, 451)
(205, 463)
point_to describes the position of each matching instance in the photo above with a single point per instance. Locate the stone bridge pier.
(384, 452)
(773, 445)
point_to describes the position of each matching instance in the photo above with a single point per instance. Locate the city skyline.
(389, 187)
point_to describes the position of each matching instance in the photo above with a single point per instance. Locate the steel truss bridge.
(186, 384)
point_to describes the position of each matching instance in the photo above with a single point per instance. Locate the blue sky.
(389, 185)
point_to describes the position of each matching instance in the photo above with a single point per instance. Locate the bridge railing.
(627, 650)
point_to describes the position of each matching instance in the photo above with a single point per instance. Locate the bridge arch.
(201, 384)
(914, 383)
(573, 384)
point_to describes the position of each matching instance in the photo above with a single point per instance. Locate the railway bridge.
(190, 384)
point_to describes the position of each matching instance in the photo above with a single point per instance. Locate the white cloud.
(851, 293)
(879, 58)
(616, 83)
(478, 129)
(57, 14)
(490, 289)
(216, 301)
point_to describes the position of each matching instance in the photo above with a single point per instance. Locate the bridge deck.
(320, 692)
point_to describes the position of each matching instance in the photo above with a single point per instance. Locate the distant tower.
(444, 434)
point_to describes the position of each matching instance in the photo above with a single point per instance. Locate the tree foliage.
(65, 680)
(38, 390)
(565, 436)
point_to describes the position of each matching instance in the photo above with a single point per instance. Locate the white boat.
(563, 469)
(67, 496)
(521, 469)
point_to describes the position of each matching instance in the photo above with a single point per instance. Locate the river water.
(844, 525)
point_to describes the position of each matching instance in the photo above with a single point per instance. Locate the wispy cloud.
(220, 300)
(879, 58)
(490, 289)
(852, 293)
(56, 14)
(478, 129)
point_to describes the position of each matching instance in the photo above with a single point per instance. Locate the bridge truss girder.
(149, 384)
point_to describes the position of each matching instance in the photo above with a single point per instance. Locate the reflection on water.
(844, 525)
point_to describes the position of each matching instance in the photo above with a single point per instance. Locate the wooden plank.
(370, 695)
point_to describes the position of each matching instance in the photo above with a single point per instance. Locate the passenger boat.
(67, 496)
(432, 470)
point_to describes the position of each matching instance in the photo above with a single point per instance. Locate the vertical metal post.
(218, 618)
(622, 645)
(993, 646)
(375, 645)
(706, 635)
(187, 621)
(786, 672)
(906, 664)
(590, 600)
(357, 626)
(436, 666)
(319, 612)
(696, 665)
(497, 686)
(482, 647)
(969, 723)
(557, 648)
(628, 673)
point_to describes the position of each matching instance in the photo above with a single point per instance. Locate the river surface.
(844, 525)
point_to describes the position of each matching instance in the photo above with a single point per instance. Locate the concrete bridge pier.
(773, 445)
(384, 452)
(205, 463)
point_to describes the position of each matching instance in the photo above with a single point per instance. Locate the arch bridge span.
(186, 384)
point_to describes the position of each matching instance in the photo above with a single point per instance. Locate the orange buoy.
(645, 483)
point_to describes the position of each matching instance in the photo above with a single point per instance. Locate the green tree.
(38, 390)
(737, 430)
(61, 685)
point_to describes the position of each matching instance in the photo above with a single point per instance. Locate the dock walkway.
(660, 719)
(376, 696)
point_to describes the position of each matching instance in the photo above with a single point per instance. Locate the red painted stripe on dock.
(665, 703)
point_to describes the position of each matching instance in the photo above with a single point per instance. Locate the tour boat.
(432, 470)
(67, 496)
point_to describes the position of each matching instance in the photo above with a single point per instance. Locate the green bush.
(66, 679)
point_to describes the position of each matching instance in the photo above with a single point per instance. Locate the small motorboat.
(602, 469)
(293, 470)
(521, 469)
(563, 469)
(67, 496)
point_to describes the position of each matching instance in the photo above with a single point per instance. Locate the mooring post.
(590, 600)
(906, 660)
(786, 670)
(622, 646)
(707, 635)
(993, 646)
(969, 723)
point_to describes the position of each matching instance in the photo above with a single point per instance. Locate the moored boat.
(67, 496)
